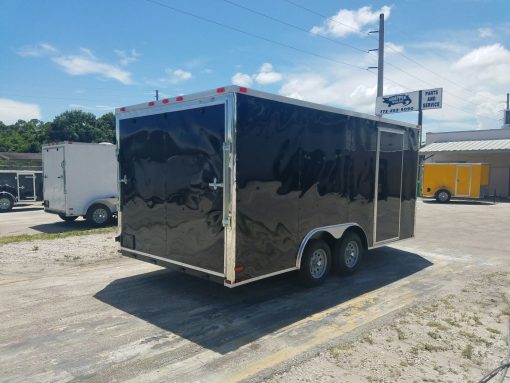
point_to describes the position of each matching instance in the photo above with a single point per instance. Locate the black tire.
(99, 215)
(6, 203)
(348, 253)
(443, 196)
(313, 272)
(67, 218)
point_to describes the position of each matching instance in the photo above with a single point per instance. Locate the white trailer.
(80, 179)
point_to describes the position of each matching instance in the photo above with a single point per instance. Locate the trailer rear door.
(171, 169)
(54, 178)
(463, 180)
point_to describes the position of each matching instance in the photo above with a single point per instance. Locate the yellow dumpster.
(454, 180)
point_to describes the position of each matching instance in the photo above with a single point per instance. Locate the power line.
(293, 26)
(254, 35)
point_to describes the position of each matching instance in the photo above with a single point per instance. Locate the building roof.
(468, 146)
(20, 156)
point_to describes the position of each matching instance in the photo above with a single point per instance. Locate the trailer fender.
(336, 231)
(4, 192)
(110, 202)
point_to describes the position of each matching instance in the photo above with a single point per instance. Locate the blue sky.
(96, 55)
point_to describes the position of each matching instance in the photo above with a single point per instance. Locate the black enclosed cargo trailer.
(238, 185)
(19, 187)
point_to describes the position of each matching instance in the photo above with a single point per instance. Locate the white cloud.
(266, 75)
(485, 32)
(87, 63)
(12, 111)
(126, 58)
(175, 76)
(391, 48)
(38, 50)
(487, 63)
(241, 79)
(347, 21)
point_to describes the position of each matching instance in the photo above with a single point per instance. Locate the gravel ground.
(23, 257)
(458, 338)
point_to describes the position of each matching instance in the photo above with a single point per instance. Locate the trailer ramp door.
(171, 169)
(390, 152)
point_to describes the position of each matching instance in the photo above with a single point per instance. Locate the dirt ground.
(433, 308)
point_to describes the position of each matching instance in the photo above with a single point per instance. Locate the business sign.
(432, 98)
(409, 102)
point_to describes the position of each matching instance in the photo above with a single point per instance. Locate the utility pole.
(380, 61)
(157, 95)
(380, 56)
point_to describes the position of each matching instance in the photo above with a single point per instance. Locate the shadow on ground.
(223, 319)
(62, 227)
(461, 202)
(26, 208)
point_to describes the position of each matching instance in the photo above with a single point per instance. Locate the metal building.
(474, 146)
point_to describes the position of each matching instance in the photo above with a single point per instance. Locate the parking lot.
(72, 309)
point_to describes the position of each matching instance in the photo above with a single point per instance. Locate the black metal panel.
(39, 187)
(8, 183)
(26, 186)
(297, 169)
(168, 208)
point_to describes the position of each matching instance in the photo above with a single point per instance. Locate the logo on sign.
(403, 99)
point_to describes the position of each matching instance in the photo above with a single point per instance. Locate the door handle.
(22, 187)
(215, 185)
(124, 180)
(60, 177)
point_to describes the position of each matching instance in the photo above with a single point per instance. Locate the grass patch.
(437, 325)
(468, 352)
(45, 236)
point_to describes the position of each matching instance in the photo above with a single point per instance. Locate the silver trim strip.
(174, 262)
(258, 278)
(335, 230)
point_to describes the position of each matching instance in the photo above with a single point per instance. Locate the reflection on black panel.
(169, 159)
(389, 185)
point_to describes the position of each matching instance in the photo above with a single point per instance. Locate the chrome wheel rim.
(318, 263)
(100, 215)
(443, 196)
(351, 254)
(5, 203)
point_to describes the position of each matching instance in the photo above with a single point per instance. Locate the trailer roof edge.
(211, 93)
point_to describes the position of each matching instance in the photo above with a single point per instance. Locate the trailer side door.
(389, 164)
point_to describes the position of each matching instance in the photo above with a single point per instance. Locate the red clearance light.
(69, 142)
(165, 101)
(220, 90)
(179, 98)
(123, 109)
(151, 103)
(243, 89)
(239, 268)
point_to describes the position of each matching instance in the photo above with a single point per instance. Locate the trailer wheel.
(99, 215)
(443, 196)
(348, 253)
(315, 263)
(6, 203)
(67, 218)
